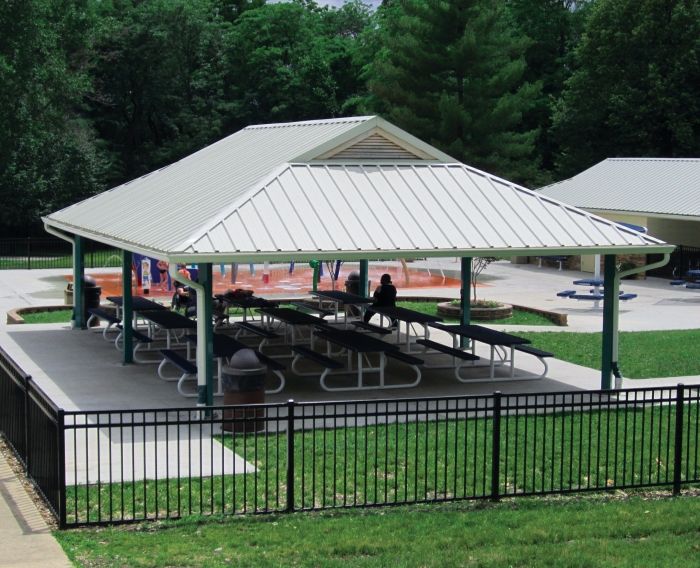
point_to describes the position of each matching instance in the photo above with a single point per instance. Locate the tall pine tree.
(636, 91)
(452, 74)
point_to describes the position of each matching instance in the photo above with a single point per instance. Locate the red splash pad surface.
(282, 282)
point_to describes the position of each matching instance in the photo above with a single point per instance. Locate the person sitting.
(384, 296)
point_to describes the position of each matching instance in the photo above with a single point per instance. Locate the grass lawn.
(519, 317)
(590, 531)
(411, 462)
(57, 316)
(643, 354)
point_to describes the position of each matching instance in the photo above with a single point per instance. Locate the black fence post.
(61, 449)
(26, 423)
(496, 447)
(29, 253)
(290, 456)
(678, 446)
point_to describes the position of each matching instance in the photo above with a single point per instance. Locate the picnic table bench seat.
(539, 353)
(404, 357)
(104, 315)
(692, 285)
(566, 293)
(465, 355)
(188, 369)
(311, 307)
(371, 327)
(256, 330)
(316, 357)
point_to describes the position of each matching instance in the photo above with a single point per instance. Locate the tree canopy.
(97, 92)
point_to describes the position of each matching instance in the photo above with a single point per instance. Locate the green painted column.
(364, 278)
(465, 295)
(611, 311)
(127, 308)
(78, 284)
(205, 332)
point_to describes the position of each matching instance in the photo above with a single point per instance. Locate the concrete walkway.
(25, 539)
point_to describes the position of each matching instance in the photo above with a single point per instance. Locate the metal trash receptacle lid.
(244, 372)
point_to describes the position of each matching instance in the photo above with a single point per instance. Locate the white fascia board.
(282, 256)
(116, 243)
(669, 216)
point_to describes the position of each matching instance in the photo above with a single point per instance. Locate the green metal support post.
(127, 308)
(611, 311)
(465, 296)
(204, 318)
(78, 284)
(364, 278)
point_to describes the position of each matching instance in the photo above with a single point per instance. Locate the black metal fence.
(33, 427)
(122, 466)
(682, 259)
(31, 252)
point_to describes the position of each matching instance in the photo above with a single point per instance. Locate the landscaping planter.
(475, 312)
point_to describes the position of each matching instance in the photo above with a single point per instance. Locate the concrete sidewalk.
(25, 539)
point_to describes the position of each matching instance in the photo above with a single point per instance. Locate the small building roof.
(655, 186)
(352, 188)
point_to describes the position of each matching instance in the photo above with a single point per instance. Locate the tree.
(479, 264)
(48, 157)
(554, 28)
(280, 66)
(451, 73)
(636, 91)
(158, 82)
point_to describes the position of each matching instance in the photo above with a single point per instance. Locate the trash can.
(91, 295)
(243, 381)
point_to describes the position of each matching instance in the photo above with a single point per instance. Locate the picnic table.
(137, 303)
(292, 320)
(362, 346)
(409, 317)
(498, 341)
(338, 297)
(224, 347)
(166, 320)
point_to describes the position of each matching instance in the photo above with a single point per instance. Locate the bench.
(99, 313)
(628, 296)
(404, 357)
(371, 327)
(541, 355)
(596, 297)
(693, 285)
(258, 330)
(188, 369)
(677, 282)
(566, 293)
(139, 338)
(276, 368)
(327, 363)
(311, 307)
(465, 355)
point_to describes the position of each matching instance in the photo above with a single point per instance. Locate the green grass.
(643, 354)
(519, 317)
(56, 316)
(568, 532)
(411, 461)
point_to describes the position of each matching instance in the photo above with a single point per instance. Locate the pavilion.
(355, 188)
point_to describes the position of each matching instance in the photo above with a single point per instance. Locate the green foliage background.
(97, 92)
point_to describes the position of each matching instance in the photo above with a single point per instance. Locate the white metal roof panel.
(334, 210)
(160, 210)
(662, 186)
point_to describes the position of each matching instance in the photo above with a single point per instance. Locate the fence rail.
(118, 466)
(38, 253)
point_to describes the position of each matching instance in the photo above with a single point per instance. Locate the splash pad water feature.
(280, 280)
